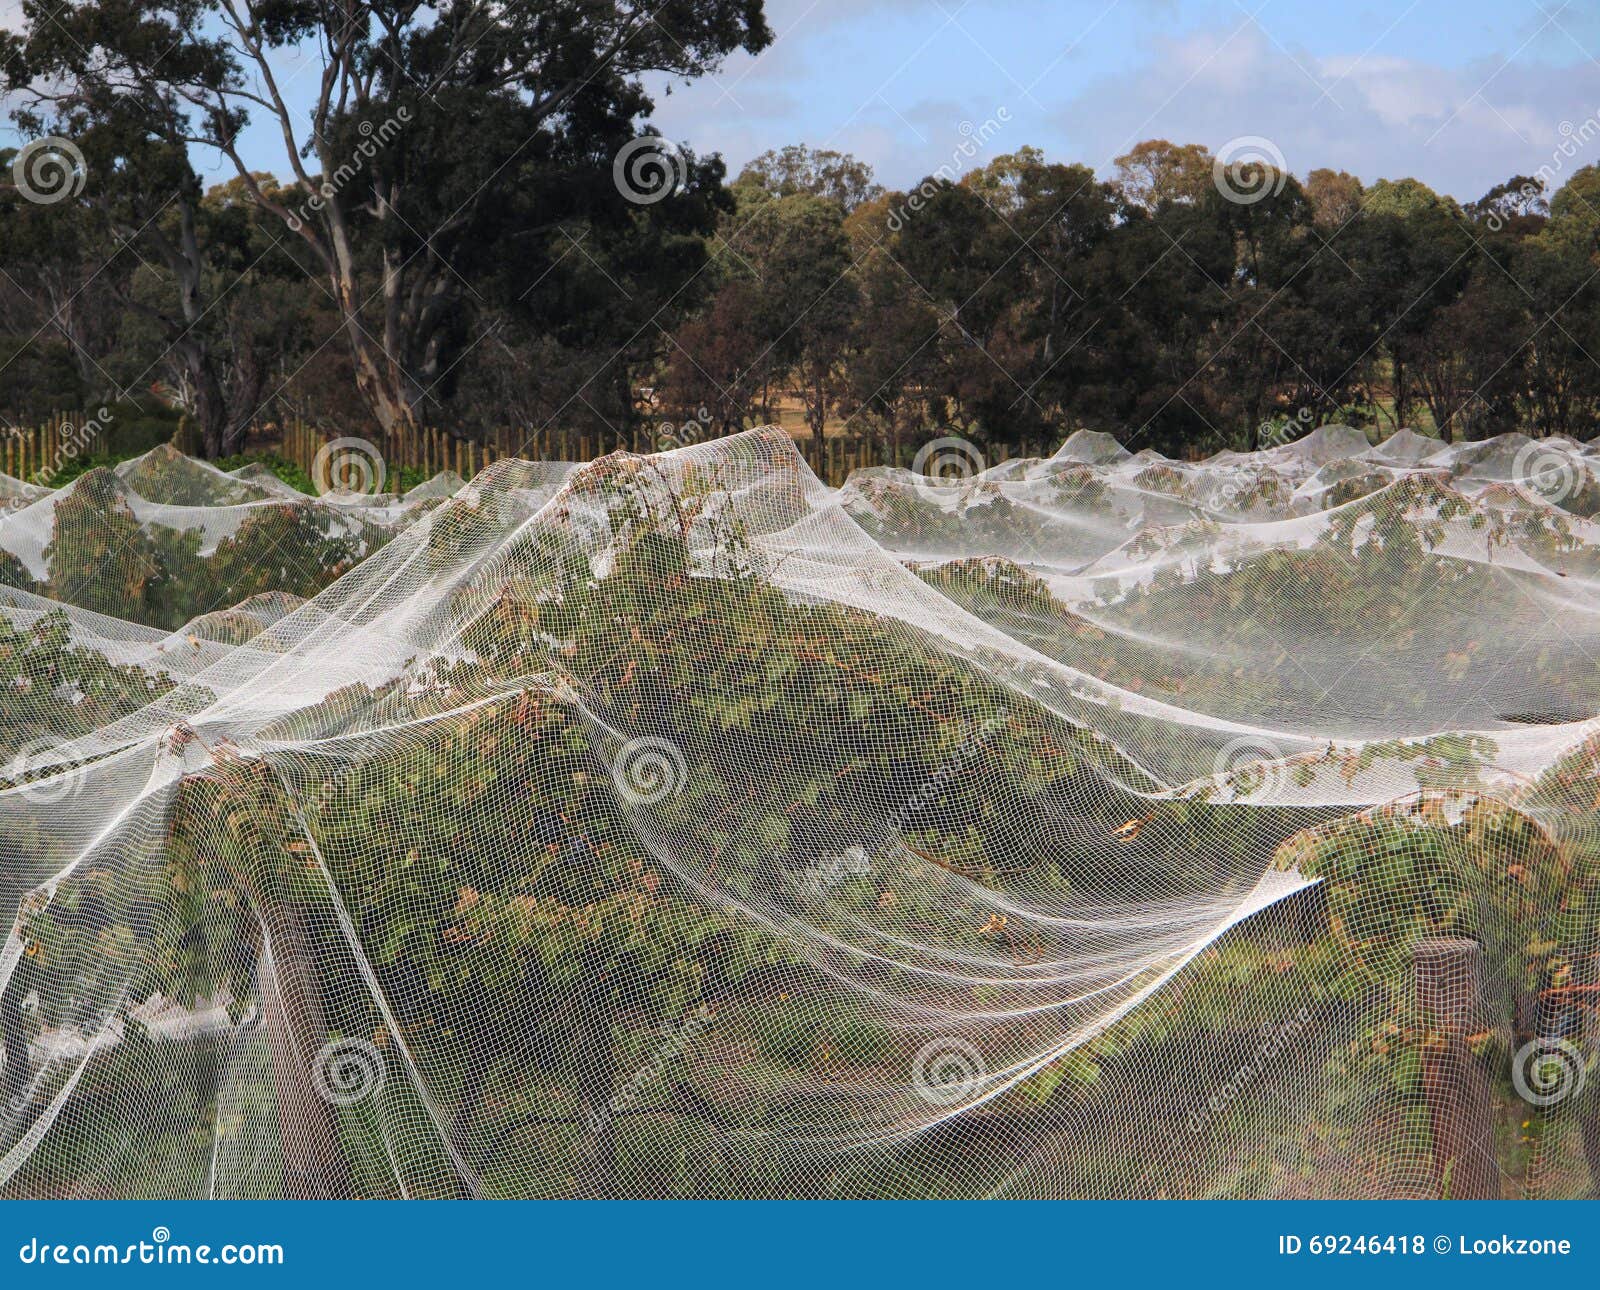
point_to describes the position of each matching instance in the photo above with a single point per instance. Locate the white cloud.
(1379, 116)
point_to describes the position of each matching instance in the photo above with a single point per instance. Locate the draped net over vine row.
(1101, 825)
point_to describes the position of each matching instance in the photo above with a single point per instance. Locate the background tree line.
(451, 242)
(1031, 297)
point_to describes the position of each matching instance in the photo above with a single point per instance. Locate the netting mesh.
(1103, 825)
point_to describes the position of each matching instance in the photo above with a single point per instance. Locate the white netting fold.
(676, 825)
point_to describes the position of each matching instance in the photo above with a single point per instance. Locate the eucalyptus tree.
(403, 127)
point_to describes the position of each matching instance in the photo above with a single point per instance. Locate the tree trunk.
(244, 397)
(381, 392)
(212, 414)
(379, 376)
(1400, 392)
(817, 414)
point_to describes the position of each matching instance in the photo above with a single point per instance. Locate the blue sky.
(1458, 93)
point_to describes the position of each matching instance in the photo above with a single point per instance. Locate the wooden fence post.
(1449, 974)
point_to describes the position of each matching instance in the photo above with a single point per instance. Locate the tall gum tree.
(362, 93)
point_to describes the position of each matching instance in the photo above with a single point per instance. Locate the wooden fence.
(26, 453)
(432, 450)
(40, 449)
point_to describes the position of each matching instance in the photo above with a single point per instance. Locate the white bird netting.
(1102, 825)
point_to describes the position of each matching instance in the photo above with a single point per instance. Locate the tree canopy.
(474, 226)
